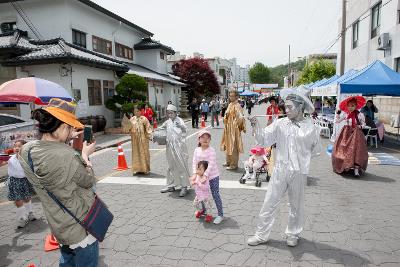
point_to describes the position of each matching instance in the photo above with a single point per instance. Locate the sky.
(250, 30)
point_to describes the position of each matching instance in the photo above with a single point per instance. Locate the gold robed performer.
(234, 124)
(140, 131)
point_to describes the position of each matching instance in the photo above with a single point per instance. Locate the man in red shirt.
(148, 113)
(272, 110)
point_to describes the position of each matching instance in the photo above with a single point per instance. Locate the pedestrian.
(141, 131)
(249, 106)
(19, 189)
(272, 110)
(369, 111)
(68, 176)
(350, 149)
(215, 108)
(194, 109)
(234, 124)
(176, 151)
(204, 109)
(204, 152)
(147, 111)
(297, 140)
(224, 106)
(201, 184)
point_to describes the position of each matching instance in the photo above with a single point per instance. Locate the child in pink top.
(201, 185)
(204, 152)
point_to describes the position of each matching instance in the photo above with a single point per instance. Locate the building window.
(397, 64)
(108, 90)
(94, 92)
(162, 55)
(77, 95)
(355, 33)
(8, 26)
(102, 45)
(376, 19)
(79, 38)
(123, 51)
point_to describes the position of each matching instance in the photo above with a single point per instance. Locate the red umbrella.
(35, 90)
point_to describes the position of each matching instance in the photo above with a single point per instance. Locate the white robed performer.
(177, 154)
(297, 139)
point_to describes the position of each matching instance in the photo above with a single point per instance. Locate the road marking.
(135, 180)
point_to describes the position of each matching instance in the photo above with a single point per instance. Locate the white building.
(373, 33)
(83, 47)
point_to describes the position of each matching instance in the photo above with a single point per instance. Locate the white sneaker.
(21, 222)
(31, 216)
(218, 219)
(292, 241)
(254, 241)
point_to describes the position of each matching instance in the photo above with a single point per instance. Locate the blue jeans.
(214, 186)
(81, 257)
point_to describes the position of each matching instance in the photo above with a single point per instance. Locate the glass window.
(123, 51)
(78, 38)
(397, 64)
(108, 90)
(94, 92)
(162, 55)
(77, 94)
(355, 33)
(8, 26)
(101, 45)
(376, 19)
(6, 120)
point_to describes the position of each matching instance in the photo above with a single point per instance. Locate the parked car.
(14, 128)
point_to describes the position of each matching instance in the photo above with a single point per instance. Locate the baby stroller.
(256, 165)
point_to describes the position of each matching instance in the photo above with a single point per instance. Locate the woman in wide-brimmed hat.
(68, 175)
(350, 149)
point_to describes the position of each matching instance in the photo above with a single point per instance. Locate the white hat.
(301, 93)
(171, 108)
(203, 100)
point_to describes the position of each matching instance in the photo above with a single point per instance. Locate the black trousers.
(195, 120)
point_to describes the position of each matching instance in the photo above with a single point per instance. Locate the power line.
(25, 19)
(349, 26)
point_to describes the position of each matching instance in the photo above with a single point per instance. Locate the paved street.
(349, 222)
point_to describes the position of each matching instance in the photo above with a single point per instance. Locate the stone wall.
(387, 107)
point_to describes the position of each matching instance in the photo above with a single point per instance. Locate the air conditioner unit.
(383, 41)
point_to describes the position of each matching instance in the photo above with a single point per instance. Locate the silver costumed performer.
(177, 154)
(297, 140)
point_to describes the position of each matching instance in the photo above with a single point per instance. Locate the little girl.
(201, 185)
(204, 152)
(19, 189)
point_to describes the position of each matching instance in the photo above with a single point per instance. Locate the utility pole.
(343, 38)
(289, 72)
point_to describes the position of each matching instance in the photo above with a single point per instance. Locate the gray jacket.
(61, 170)
(215, 106)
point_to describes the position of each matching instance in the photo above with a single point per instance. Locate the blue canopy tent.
(248, 93)
(375, 79)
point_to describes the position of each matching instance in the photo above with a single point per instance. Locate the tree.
(278, 72)
(198, 75)
(316, 71)
(259, 73)
(131, 90)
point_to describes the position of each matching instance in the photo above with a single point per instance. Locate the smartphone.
(88, 134)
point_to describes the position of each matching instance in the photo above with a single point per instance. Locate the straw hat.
(64, 111)
(300, 93)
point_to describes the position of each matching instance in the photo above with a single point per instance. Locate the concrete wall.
(151, 59)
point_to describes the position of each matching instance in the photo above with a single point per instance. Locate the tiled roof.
(148, 43)
(58, 49)
(15, 40)
(150, 74)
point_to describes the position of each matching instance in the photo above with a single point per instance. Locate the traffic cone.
(31, 265)
(203, 123)
(50, 243)
(121, 159)
(155, 123)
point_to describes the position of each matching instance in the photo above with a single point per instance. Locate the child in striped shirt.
(204, 152)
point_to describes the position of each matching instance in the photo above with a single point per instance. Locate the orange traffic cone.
(203, 123)
(121, 159)
(50, 243)
(31, 265)
(155, 123)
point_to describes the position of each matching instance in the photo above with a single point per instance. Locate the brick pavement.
(349, 222)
